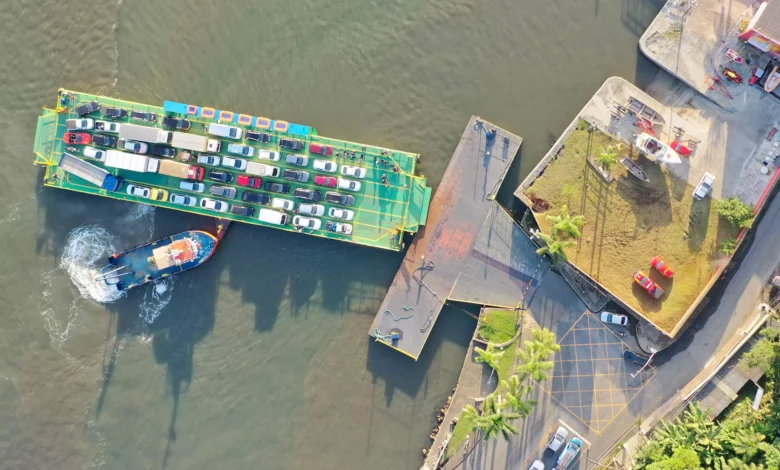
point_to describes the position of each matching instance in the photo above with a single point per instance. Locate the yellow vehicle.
(158, 195)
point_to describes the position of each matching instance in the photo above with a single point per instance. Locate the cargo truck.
(144, 134)
(89, 172)
(195, 143)
(180, 170)
(261, 169)
(131, 162)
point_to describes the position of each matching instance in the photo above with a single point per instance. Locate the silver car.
(311, 209)
(192, 186)
(190, 201)
(206, 159)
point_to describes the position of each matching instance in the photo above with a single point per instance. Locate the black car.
(261, 137)
(630, 355)
(104, 140)
(283, 188)
(338, 198)
(242, 210)
(114, 113)
(223, 191)
(220, 176)
(87, 108)
(308, 194)
(144, 116)
(164, 151)
(292, 144)
(257, 198)
(176, 123)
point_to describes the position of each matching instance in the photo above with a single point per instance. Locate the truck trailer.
(89, 172)
(195, 143)
(180, 170)
(144, 134)
(131, 162)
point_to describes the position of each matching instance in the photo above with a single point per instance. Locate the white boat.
(659, 150)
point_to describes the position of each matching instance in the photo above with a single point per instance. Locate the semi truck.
(89, 172)
(144, 134)
(261, 169)
(195, 143)
(180, 170)
(131, 162)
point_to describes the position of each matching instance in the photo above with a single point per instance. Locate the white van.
(222, 130)
(273, 217)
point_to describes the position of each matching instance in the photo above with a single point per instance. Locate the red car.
(328, 181)
(250, 181)
(77, 138)
(681, 149)
(321, 149)
(662, 267)
(647, 284)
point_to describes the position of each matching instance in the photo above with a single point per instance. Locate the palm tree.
(535, 357)
(746, 443)
(737, 464)
(494, 421)
(554, 247)
(490, 357)
(543, 342)
(564, 225)
(608, 157)
(515, 391)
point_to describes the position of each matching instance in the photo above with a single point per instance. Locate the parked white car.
(107, 126)
(97, 154)
(326, 166)
(338, 227)
(311, 209)
(140, 191)
(192, 186)
(213, 204)
(80, 124)
(284, 204)
(537, 465)
(353, 171)
(206, 159)
(134, 146)
(617, 319)
(704, 187)
(243, 150)
(343, 214)
(234, 163)
(558, 439)
(268, 155)
(190, 201)
(307, 222)
(349, 185)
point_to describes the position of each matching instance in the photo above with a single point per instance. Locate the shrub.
(738, 213)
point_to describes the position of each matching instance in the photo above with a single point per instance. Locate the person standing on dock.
(361, 158)
(375, 160)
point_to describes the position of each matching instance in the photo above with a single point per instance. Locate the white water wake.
(86, 251)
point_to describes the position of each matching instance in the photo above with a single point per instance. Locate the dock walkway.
(470, 250)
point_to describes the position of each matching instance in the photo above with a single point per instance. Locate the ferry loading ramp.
(383, 211)
(471, 250)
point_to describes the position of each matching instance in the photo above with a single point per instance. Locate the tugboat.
(158, 259)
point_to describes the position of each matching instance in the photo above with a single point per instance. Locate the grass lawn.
(627, 222)
(498, 326)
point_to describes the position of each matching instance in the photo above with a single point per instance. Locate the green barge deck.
(383, 212)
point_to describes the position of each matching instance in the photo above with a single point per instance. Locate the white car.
(311, 209)
(284, 204)
(558, 439)
(140, 191)
(97, 154)
(537, 465)
(704, 187)
(343, 214)
(268, 155)
(80, 124)
(353, 171)
(206, 159)
(214, 205)
(617, 319)
(190, 201)
(243, 150)
(324, 165)
(134, 146)
(107, 126)
(349, 185)
(306, 222)
(338, 228)
(234, 163)
(192, 186)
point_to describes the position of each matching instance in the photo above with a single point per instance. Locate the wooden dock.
(440, 251)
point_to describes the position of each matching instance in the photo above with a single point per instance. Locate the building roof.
(768, 23)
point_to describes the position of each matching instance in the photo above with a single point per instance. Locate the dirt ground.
(628, 221)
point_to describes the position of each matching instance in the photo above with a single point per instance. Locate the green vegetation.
(568, 191)
(629, 221)
(565, 226)
(607, 157)
(494, 420)
(728, 247)
(742, 438)
(498, 326)
(738, 213)
(490, 357)
(554, 247)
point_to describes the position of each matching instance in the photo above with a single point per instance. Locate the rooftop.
(768, 22)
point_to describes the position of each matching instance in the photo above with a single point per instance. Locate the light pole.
(653, 351)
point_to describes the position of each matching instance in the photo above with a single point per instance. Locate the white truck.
(195, 143)
(180, 170)
(131, 162)
(144, 134)
(261, 169)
